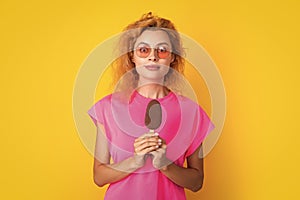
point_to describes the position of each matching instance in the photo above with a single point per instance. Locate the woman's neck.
(153, 91)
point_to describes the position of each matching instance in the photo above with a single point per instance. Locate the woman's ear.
(173, 58)
(132, 58)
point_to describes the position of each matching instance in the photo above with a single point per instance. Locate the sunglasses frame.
(156, 52)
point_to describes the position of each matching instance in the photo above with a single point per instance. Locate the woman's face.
(152, 55)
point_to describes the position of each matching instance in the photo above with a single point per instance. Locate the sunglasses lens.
(162, 52)
(143, 52)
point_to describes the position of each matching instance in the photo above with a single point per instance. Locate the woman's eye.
(162, 49)
(143, 49)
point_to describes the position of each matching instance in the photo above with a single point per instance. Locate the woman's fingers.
(146, 135)
(148, 141)
(147, 144)
(160, 150)
(149, 149)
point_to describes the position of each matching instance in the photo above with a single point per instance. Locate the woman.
(148, 164)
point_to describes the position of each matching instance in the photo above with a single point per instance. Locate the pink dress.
(184, 126)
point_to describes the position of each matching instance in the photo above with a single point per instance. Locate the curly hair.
(128, 38)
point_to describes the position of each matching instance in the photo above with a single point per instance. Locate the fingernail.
(159, 140)
(156, 134)
(156, 146)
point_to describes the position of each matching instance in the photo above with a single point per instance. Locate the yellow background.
(255, 45)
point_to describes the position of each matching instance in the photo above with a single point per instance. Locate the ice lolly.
(153, 115)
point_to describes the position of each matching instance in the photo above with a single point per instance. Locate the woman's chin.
(151, 79)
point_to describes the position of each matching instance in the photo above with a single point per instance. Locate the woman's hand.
(160, 160)
(145, 144)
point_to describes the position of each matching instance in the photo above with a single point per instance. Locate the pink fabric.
(184, 126)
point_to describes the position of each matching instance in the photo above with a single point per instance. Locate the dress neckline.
(136, 95)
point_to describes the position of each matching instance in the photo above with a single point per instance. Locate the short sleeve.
(202, 127)
(96, 112)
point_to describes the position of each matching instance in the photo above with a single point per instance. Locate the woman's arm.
(104, 172)
(190, 177)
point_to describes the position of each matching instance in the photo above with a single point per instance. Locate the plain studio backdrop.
(255, 45)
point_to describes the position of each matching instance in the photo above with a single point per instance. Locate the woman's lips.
(152, 67)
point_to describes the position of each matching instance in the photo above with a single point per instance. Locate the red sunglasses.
(161, 52)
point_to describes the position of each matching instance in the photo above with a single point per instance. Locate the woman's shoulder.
(104, 99)
(189, 103)
(184, 99)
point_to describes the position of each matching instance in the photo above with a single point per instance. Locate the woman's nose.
(153, 56)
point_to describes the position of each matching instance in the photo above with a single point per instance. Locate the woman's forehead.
(153, 37)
